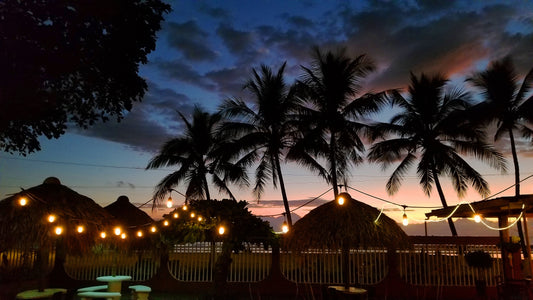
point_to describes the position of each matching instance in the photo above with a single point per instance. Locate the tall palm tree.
(198, 152)
(263, 130)
(431, 128)
(332, 114)
(506, 104)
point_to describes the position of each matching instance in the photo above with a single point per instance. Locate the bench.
(106, 295)
(140, 292)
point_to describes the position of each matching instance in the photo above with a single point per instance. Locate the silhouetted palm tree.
(197, 153)
(263, 130)
(506, 104)
(332, 114)
(432, 129)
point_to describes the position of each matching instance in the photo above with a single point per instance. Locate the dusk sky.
(206, 51)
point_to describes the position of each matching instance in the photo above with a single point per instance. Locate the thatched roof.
(27, 225)
(334, 226)
(128, 214)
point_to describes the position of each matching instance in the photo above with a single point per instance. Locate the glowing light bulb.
(477, 218)
(123, 236)
(51, 218)
(58, 230)
(176, 215)
(153, 229)
(193, 215)
(23, 201)
(169, 202)
(221, 230)
(285, 227)
(80, 229)
(340, 200)
(117, 230)
(405, 221)
(139, 233)
(200, 218)
(165, 223)
(184, 207)
(103, 234)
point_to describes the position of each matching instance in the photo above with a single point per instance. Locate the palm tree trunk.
(443, 201)
(206, 188)
(523, 242)
(283, 192)
(333, 162)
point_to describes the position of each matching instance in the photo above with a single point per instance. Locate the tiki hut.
(128, 214)
(37, 217)
(343, 227)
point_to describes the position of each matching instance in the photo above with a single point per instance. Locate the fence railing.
(436, 264)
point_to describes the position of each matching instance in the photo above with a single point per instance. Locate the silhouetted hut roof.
(333, 226)
(128, 214)
(28, 225)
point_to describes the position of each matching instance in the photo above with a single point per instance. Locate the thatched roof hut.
(353, 224)
(128, 214)
(28, 225)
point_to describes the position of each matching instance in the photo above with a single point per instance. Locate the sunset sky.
(206, 51)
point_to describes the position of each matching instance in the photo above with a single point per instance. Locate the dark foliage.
(70, 62)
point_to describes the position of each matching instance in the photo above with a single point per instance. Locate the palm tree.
(506, 104)
(431, 128)
(263, 130)
(198, 152)
(331, 116)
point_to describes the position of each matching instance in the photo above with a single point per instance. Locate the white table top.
(113, 278)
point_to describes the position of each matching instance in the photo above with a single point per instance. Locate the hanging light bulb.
(193, 215)
(200, 218)
(477, 218)
(221, 230)
(165, 223)
(123, 236)
(58, 230)
(23, 201)
(51, 218)
(139, 233)
(169, 202)
(153, 229)
(117, 230)
(285, 227)
(175, 215)
(405, 221)
(103, 234)
(80, 229)
(340, 200)
(184, 207)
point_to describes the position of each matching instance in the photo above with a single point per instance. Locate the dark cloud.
(214, 12)
(149, 124)
(235, 40)
(190, 39)
(184, 72)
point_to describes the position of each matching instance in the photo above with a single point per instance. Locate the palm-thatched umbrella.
(50, 214)
(351, 225)
(28, 225)
(128, 214)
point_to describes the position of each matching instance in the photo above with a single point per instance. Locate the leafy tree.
(333, 113)
(264, 130)
(432, 128)
(70, 62)
(241, 228)
(198, 152)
